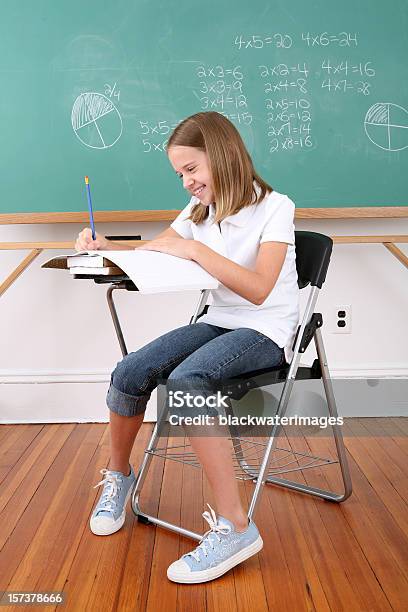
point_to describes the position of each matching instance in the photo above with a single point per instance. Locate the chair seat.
(237, 387)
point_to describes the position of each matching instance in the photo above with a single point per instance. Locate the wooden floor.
(317, 555)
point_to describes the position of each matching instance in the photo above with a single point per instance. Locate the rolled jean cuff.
(124, 404)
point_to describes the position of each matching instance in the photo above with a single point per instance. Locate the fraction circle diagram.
(96, 120)
(386, 125)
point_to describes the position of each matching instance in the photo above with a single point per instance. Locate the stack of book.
(92, 265)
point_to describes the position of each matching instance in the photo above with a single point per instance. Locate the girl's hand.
(84, 241)
(180, 247)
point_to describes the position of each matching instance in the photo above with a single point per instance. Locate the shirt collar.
(211, 213)
(240, 218)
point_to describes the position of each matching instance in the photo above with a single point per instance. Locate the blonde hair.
(231, 166)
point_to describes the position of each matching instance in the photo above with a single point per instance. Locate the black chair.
(313, 253)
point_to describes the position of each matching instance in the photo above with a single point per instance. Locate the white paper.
(154, 272)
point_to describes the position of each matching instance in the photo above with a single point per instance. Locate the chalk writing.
(386, 125)
(285, 41)
(155, 134)
(96, 120)
(344, 39)
(221, 89)
(110, 90)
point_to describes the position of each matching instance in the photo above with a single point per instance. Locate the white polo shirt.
(238, 240)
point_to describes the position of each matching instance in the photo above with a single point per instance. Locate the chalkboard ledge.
(109, 216)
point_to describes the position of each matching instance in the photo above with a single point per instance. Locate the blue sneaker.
(110, 511)
(220, 549)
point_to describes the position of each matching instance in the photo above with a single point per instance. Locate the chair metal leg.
(295, 486)
(200, 305)
(263, 470)
(258, 476)
(331, 403)
(141, 476)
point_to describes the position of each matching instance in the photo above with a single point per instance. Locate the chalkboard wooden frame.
(142, 216)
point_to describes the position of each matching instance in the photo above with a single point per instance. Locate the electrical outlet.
(342, 319)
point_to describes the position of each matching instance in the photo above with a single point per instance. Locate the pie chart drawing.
(386, 125)
(96, 120)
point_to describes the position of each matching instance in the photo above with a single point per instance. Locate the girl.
(241, 231)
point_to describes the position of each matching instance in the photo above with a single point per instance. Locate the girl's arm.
(167, 233)
(84, 241)
(252, 285)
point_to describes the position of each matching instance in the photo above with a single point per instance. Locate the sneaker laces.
(215, 529)
(111, 489)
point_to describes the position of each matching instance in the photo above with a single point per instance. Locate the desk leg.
(115, 320)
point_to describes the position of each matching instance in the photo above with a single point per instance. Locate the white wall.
(58, 344)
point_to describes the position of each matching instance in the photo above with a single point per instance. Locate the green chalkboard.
(318, 90)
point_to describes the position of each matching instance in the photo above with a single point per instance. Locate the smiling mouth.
(198, 192)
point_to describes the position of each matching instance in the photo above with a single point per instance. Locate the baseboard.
(58, 398)
(359, 371)
(66, 397)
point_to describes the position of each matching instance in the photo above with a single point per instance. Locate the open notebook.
(151, 271)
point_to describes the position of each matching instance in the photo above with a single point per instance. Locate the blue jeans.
(193, 356)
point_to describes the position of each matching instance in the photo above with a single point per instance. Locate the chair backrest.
(313, 253)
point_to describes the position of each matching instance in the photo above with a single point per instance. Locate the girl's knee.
(131, 375)
(130, 387)
(183, 373)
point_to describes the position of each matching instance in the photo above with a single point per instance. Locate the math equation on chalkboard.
(286, 89)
